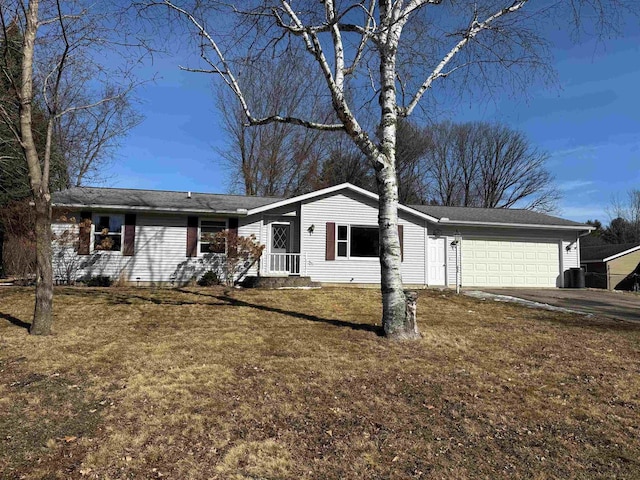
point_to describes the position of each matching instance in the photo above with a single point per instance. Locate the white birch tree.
(401, 50)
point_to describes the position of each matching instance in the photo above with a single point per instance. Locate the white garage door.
(509, 263)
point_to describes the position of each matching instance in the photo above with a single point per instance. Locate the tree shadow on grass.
(217, 300)
(234, 302)
(113, 296)
(15, 321)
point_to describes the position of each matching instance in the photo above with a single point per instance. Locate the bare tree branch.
(475, 27)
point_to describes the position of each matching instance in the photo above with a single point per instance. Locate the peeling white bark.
(394, 311)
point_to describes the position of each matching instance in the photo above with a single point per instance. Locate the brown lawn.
(258, 384)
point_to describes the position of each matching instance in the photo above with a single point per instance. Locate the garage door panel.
(505, 262)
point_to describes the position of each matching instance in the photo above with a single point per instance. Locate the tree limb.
(475, 27)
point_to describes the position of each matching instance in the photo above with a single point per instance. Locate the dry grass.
(256, 384)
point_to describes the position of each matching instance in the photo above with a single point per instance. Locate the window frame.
(200, 243)
(94, 217)
(348, 242)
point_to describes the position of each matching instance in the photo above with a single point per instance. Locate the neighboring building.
(329, 235)
(614, 267)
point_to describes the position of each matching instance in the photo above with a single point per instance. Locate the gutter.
(446, 221)
(620, 254)
(241, 212)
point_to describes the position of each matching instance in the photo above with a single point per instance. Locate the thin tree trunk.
(43, 314)
(2, 272)
(39, 180)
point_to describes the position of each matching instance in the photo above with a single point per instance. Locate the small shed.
(614, 267)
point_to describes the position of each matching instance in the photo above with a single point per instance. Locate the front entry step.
(278, 282)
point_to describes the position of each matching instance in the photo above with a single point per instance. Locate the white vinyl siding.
(159, 255)
(451, 261)
(350, 208)
(253, 226)
(160, 245)
(570, 253)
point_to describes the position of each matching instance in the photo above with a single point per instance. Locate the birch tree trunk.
(394, 318)
(395, 323)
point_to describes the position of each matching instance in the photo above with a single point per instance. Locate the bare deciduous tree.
(486, 165)
(391, 51)
(274, 159)
(58, 40)
(344, 162)
(88, 138)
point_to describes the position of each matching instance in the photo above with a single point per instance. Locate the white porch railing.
(285, 264)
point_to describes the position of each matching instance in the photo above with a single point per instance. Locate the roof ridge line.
(167, 191)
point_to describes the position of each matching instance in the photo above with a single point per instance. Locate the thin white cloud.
(576, 151)
(631, 141)
(574, 184)
(582, 213)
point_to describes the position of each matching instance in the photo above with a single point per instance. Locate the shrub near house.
(240, 254)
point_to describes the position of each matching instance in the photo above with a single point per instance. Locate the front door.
(280, 236)
(437, 263)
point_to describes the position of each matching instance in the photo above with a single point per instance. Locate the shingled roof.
(157, 200)
(597, 253)
(512, 216)
(167, 201)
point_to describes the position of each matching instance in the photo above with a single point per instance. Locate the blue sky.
(589, 123)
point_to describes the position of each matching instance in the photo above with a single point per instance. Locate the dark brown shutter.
(401, 237)
(233, 233)
(233, 226)
(192, 236)
(84, 241)
(330, 253)
(129, 234)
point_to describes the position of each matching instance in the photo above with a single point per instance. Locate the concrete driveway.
(620, 305)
